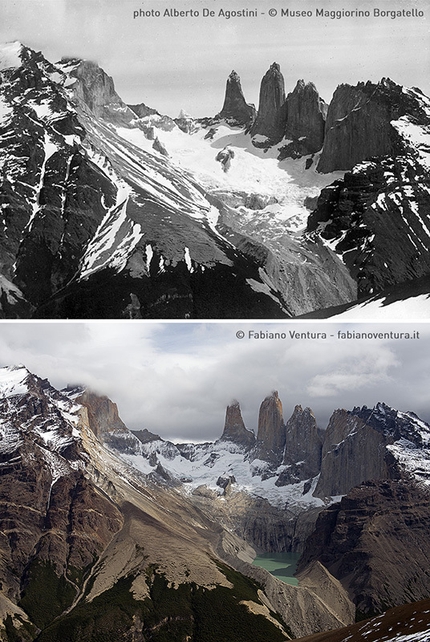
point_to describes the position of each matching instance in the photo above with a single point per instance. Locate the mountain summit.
(235, 109)
(112, 210)
(86, 504)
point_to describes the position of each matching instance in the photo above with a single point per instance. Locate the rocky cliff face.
(358, 539)
(303, 444)
(306, 113)
(375, 218)
(80, 529)
(271, 429)
(95, 89)
(234, 428)
(268, 128)
(87, 228)
(367, 443)
(352, 453)
(235, 110)
(359, 123)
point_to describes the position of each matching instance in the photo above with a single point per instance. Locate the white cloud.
(176, 379)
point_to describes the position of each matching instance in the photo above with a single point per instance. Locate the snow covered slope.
(116, 211)
(85, 206)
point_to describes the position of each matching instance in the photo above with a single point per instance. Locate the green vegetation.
(24, 633)
(187, 612)
(46, 595)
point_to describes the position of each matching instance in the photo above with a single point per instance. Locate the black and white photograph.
(209, 160)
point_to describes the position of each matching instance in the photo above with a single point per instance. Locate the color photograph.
(214, 482)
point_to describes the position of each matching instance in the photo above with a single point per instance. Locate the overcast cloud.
(176, 379)
(174, 63)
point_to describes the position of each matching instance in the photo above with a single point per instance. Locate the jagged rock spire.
(235, 109)
(234, 427)
(303, 442)
(271, 427)
(270, 121)
(306, 113)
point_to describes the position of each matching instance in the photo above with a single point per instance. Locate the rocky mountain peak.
(13, 380)
(305, 121)
(360, 124)
(269, 125)
(234, 427)
(96, 90)
(395, 425)
(271, 428)
(303, 445)
(235, 109)
(11, 55)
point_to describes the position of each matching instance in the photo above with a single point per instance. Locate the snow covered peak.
(13, 381)
(10, 55)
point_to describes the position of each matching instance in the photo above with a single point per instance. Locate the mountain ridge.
(96, 525)
(117, 211)
(70, 465)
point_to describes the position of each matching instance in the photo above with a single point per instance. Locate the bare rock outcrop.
(378, 227)
(236, 111)
(359, 538)
(352, 453)
(106, 424)
(306, 113)
(234, 427)
(359, 123)
(95, 89)
(271, 430)
(303, 445)
(269, 125)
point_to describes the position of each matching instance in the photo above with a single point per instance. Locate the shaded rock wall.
(375, 541)
(352, 453)
(234, 427)
(235, 108)
(270, 121)
(305, 120)
(271, 429)
(303, 443)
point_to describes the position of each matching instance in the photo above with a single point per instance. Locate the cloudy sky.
(176, 379)
(173, 63)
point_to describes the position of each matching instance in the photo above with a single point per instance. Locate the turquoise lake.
(281, 565)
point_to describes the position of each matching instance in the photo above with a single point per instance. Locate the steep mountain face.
(376, 218)
(361, 122)
(126, 234)
(306, 114)
(236, 111)
(380, 443)
(271, 429)
(268, 128)
(85, 505)
(358, 539)
(234, 427)
(81, 530)
(303, 446)
(95, 89)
